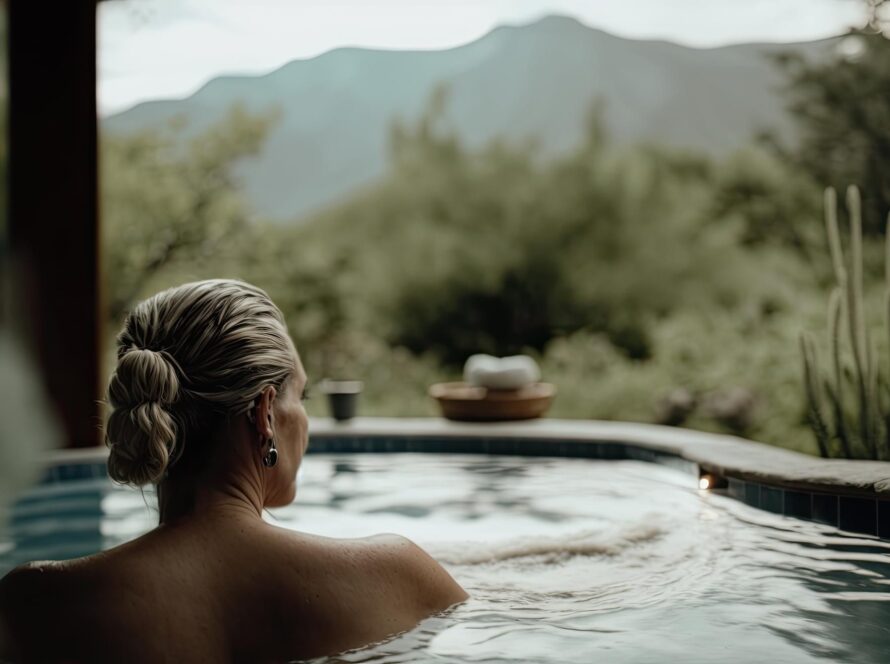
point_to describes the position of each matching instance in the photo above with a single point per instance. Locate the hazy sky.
(150, 49)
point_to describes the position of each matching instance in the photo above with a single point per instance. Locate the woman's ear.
(263, 413)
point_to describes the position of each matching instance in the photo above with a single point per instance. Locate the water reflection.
(715, 582)
(565, 560)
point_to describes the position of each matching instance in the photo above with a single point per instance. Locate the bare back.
(236, 590)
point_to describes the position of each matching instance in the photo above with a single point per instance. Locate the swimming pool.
(566, 560)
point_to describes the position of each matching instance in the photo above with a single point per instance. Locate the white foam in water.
(546, 549)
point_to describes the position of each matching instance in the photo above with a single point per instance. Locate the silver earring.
(271, 457)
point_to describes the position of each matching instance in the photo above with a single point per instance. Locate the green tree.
(492, 249)
(770, 202)
(841, 105)
(168, 201)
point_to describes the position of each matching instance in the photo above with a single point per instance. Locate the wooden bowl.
(461, 401)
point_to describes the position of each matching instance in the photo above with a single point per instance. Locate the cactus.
(844, 404)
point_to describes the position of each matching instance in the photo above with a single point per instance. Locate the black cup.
(342, 398)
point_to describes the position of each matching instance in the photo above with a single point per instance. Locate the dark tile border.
(736, 489)
(825, 509)
(853, 513)
(70, 472)
(858, 515)
(884, 519)
(772, 499)
(752, 494)
(798, 504)
(869, 516)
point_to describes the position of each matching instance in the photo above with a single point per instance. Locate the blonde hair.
(188, 358)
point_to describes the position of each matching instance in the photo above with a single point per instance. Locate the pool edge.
(850, 495)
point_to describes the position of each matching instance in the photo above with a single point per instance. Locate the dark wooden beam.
(53, 209)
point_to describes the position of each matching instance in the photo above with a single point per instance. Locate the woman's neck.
(231, 494)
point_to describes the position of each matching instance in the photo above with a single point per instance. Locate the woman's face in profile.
(291, 426)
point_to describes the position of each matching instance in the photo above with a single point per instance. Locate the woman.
(206, 402)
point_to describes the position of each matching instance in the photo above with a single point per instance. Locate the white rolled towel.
(505, 373)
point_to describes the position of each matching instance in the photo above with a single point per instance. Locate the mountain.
(536, 80)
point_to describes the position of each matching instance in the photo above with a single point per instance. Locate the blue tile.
(461, 446)
(639, 453)
(436, 445)
(590, 450)
(884, 519)
(538, 448)
(503, 446)
(825, 509)
(671, 461)
(614, 451)
(799, 504)
(82, 509)
(680, 465)
(518, 447)
(451, 445)
(360, 445)
(752, 494)
(50, 475)
(737, 489)
(859, 515)
(73, 472)
(418, 445)
(772, 499)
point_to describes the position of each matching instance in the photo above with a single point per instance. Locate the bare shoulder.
(346, 593)
(385, 566)
(85, 609)
(404, 571)
(30, 595)
(48, 582)
(402, 556)
(26, 585)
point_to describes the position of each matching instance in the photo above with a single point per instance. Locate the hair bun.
(143, 376)
(141, 432)
(141, 441)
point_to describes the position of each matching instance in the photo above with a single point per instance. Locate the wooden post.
(53, 209)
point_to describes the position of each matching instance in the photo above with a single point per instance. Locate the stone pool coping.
(852, 495)
(723, 455)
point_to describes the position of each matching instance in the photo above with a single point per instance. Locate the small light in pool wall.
(710, 481)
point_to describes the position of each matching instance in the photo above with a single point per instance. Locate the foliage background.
(640, 278)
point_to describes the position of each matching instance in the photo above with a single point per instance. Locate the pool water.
(566, 560)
